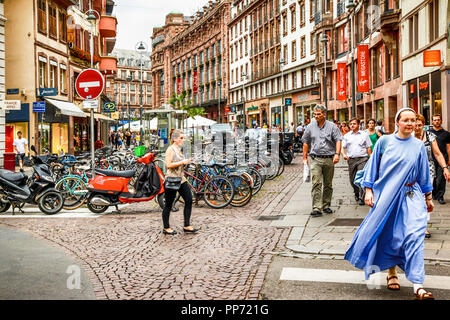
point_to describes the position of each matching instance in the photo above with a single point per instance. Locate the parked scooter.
(110, 187)
(16, 189)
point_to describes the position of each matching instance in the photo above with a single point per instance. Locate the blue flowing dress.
(393, 232)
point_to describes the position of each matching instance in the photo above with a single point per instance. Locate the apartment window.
(294, 50)
(294, 80)
(313, 43)
(62, 78)
(123, 98)
(342, 40)
(42, 16)
(387, 63)
(293, 19)
(395, 55)
(132, 99)
(303, 46)
(149, 76)
(231, 52)
(62, 27)
(285, 26)
(312, 7)
(132, 87)
(53, 74)
(377, 66)
(285, 53)
(433, 12)
(413, 32)
(302, 14)
(246, 45)
(240, 48)
(149, 99)
(42, 72)
(52, 21)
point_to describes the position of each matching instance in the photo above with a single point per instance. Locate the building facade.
(2, 80)
(45, 56)
(425, 58)
(190, 55)
(125, 87)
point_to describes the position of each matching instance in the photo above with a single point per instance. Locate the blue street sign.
(44, 92)
(109, 107)
(39, 106)
(288, 101)
(12, 91)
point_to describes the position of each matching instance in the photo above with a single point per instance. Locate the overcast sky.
(136, 18)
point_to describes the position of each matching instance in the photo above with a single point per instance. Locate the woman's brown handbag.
(172, 183)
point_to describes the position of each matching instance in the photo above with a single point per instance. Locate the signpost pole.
(92, 110)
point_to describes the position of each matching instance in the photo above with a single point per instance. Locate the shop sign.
(39, 106)
(10, 105)
(232, 118)
(109, 107)
(178, 85)
(45, 92)
(423, 85)
(227, 109)
(195, 84)
(288, 101)
(342, 83)
(252, 108)
(432, 58)
(363, 68)
(315, 93)
(114, 115)
(412, 88)
(302, 97)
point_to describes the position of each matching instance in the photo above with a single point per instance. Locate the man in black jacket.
(443, 140)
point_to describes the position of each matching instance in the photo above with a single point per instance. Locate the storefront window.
(424, 93)
(60, 133)
(436, 92)
(44, 136)
(80, 137)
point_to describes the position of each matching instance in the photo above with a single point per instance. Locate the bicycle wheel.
(218, 192)
(280, 167)
(257, 180)
(242, 190)
(73, 190)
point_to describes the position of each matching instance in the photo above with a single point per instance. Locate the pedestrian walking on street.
(175, 163)
(432, 148)
(344, 128)
(393, 233)
(323, 140)
(443, 141)
(21, 147)
(128, 139)
(373, 133)
(380, 128)
(356, 150)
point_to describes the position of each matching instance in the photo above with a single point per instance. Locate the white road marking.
(34, 212)
(357, 277)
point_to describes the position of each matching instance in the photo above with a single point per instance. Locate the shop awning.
(100, 116)
(67, 108)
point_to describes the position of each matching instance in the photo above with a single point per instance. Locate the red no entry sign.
(89, 84)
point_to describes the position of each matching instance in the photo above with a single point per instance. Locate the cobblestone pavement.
(126, 256)
(321, 238)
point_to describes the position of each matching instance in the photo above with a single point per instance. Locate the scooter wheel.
(96, 208)
(4, 206)
(51, 202)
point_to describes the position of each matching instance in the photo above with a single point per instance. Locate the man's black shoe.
(356, 198)
(316, 213)
(441, 201)
(361, 202)
(328, 211)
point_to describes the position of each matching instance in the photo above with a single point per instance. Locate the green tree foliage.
(180, 102)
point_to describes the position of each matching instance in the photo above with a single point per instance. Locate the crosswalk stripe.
(357, 277)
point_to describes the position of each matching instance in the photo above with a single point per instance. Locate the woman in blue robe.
(393, 233)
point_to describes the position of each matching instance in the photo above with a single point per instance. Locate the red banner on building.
(363, 68)
(195, 82)
(342, 81)
(178, 85)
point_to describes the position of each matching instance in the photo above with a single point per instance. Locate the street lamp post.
(351, 5)
(325, 89)
(281, 62)
(92, 20)
(140, 47)
(128, 106)
(243, 77)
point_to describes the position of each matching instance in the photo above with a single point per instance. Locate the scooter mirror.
(33, 148)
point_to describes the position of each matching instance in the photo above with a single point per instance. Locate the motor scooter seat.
(114, 173)
(13, 176)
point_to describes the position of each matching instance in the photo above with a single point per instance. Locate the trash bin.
(9, 161)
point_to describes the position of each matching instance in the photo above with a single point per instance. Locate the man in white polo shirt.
(356, 149)
(20, 146)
